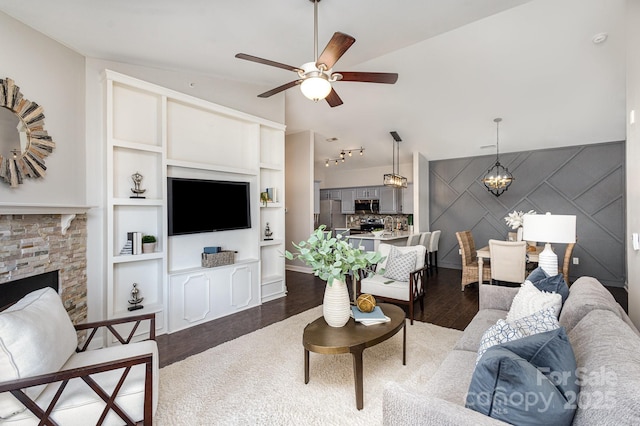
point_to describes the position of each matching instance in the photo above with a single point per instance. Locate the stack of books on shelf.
(133, 244)
(369, 318)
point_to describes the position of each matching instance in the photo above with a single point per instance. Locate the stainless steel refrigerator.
(331, 214)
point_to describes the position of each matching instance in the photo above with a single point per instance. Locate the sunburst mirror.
(24, 143)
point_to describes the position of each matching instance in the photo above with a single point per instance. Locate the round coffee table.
(353, 338)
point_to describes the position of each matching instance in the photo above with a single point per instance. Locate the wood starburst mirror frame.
(26, 157)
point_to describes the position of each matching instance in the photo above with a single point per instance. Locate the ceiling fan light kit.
(498, 178)
(395, 179)
(315, 77)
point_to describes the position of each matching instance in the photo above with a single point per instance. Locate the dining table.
(485, 253)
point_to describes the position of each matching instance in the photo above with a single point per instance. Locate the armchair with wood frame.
(400, 277)
(47, 377)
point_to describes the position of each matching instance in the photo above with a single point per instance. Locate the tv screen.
(189, 213)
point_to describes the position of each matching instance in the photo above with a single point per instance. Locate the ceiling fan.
(315, 78)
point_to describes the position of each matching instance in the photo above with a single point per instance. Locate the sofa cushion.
(80, 406)
(530, 300)
(608, 358)
(506, 331)
(527, 381)
(485, 318)
(384, 287)
(451, 381)
(400, 265)
(36, 337)
(555, 284)
(587, 294)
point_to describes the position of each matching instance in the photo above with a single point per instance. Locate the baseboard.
(295, 268)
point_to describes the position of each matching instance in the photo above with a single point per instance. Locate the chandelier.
(395, 179)
(498, 178)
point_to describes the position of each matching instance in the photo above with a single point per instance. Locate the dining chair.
(400, 277)
(567, 261)
(508, 261)
(413, 239)
(432, 249)
(425, 237)
(470, 260)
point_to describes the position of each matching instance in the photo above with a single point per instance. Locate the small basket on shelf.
(211, 260)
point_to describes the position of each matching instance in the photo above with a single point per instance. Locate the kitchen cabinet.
(389, 200)
(330, 194)
(369, 193)
(316, 197)
(348, 197)
(407, 200)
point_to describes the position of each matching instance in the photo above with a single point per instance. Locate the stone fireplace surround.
(34, 243)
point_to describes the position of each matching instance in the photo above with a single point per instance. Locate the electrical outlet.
(460, 252)
(576, 261)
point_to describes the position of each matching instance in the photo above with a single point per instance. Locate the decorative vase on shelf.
(519, 234)
(336, 306)
(148, 247)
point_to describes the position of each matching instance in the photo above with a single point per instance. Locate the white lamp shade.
(549, 228)
(315, 88)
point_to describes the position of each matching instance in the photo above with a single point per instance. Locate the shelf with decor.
(162, 135)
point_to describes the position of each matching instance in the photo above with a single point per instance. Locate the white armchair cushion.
(379, 285)
(79, 405)
(36, 337)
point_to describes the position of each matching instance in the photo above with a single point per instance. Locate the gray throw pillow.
(399, 265)
(528, 381)
(555, 284)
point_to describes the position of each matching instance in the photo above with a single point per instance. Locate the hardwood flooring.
(445, 305)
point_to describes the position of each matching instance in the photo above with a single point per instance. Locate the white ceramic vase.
(336, 307)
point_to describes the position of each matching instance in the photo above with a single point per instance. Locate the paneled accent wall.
(586, 181)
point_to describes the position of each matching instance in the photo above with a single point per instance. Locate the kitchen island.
(371, 243)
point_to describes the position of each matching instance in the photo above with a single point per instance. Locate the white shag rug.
(258, 379)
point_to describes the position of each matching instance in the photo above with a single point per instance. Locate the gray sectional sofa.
(605, 343)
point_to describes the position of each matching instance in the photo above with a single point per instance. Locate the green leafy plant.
(332, 258)
(148, 239)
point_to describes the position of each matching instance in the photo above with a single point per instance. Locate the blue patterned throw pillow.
(400, 265)
(507, 331)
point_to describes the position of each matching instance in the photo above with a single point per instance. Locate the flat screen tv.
(190, 213)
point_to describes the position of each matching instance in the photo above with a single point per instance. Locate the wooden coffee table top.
(320, 338)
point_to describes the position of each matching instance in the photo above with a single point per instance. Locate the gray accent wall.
(587, 181)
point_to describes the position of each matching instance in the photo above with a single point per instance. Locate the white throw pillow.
(36, 337)
(399, 265)
(530, 300)
(506, 331)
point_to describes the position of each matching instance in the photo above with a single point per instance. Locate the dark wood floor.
(445, 305)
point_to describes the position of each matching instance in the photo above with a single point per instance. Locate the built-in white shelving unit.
(161, 133)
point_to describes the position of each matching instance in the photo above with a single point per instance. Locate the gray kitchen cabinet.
(407, 200)
(368, 193)
(316, 197)
(348, 198)
(330, 194)
(389, 200)
(365, 244)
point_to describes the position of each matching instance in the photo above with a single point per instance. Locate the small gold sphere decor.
(366, 302)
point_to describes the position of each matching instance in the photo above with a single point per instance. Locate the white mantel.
(67, 212)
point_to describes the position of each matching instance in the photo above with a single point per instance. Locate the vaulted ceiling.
(461, 63)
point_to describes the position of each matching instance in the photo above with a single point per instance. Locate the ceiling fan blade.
(279, 89)
(267, 62)
(368, 77)
(336, 47)
(333, 99)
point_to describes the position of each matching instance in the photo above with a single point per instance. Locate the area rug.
(258, 379)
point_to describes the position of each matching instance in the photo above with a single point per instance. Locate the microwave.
(367, 206)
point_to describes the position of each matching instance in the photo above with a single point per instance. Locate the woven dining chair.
(470, 260)
(567, 261)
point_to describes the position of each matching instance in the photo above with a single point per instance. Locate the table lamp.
(549, 228)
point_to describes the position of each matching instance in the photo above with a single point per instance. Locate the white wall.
(299, 190)
(334, 177)
(52, 76)
(633, 157)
